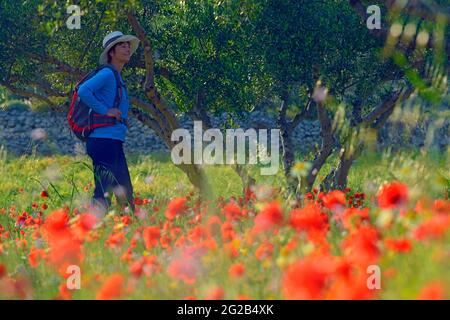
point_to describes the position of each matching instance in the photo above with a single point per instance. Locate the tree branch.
(198, 111)
(326, 131)
(299, 116)
(61, 66)
(387, 104)
(25, 93)
(151, 109)
(43, 85)
(149, 86)
(151, 123)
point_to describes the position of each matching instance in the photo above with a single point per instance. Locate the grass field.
(263, 246)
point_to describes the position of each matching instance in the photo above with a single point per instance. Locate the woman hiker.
(105, 144)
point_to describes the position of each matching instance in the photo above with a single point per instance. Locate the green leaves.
(235, 52)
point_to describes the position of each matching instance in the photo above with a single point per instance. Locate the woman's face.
(122, 52)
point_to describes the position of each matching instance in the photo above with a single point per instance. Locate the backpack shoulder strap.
(85, 78)
(118, 96)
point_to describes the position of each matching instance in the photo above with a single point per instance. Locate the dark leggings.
(110, 172)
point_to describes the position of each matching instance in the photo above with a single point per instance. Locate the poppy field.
(387, 239)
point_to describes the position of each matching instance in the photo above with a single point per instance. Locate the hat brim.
(134, 44)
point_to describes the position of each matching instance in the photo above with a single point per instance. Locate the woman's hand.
(116, 113)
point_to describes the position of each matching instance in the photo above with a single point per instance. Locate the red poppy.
(249, 194)
(309, 196)
(441, 206)
(65, 251)
(227, 231)
(112, 288)
(216, 293)
(2, 270)
(179, 242)
(165, 241)
(273, 212)
(136, 268)
(393, 195)
(126, 220)
(361, 246)
(115, 240)
(335, 200)
(271, 215)
(175, 231)
(432, 291)
(231, 250)
(231, 210)
(175, 207)
(197, 234)
(64, 293)
(402, 245)
(236, 270)
(307, 278)
(185, 268)
(264, 251)
(309, 219)
(213, 225)
(354, 288)
(35, 256)
(56, 221)
(151, 237)
(353, 217)
(432, 228)
(320, 196)
(87, 221)
(209, 243)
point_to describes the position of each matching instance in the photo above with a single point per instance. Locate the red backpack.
(83, 119)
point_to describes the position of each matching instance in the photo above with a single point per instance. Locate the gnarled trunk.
(166, 121)
(327, 148)
(286, 129)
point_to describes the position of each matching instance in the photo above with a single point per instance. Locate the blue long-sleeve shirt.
(98, 93)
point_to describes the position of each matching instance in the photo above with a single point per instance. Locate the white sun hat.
(115, 37)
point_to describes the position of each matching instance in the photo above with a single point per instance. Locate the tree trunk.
(337, 179)
(346, 161)
(197, 177)
(327, 148)
(288, 148)
(195, 173)
(198, 113)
